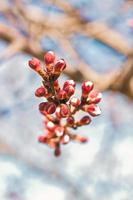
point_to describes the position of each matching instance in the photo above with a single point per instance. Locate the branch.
(37, 25)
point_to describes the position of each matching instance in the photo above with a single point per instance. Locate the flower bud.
(60, 65)
(64, 110)
(56, 86)
(49, 57)
(75, 102)
(42, 106)
(69, 90)
(85, 120)
(51, 108)
(70, 120)
(92, 109)
(42, 139)
(41, 91)
(81, 139)
(65, 139)
(94, 97)
(46, 107)
(59, 131)
(68, 83)
(87, 87)
(34, 63)
(62, 95)
(50, 126)
(57, 113)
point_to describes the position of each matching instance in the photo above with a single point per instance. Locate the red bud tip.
(60, 65)
(87, 87)
(50, 126)
(56, 86)
(75, 102)
(92, 109)
(40, 92)
(94, 97)
(65, 139)
(59, 131)
(56, 83)
(46, 107)
(64, 110)
(49, 57)
(69, 90)
(57, 113)
(42, 106)
(83, 140)
(70, 120)
(34, 63)
(62, 94)
(51, 108)
(42, 139)
(85, 120)
(68, 83)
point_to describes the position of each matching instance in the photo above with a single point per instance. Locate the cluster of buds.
(60, 105)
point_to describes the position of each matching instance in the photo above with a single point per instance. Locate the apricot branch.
(61, 105)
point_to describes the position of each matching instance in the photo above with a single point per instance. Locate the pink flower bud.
(68, 83)
(51, 108)
(62, 95)
(60, 65)
(42, 106)
(46, 107)
(69, 90)
(57, 113)
(75, 102)
(70, 120)
(56, 86)
(94, 97)
(50, 134)
(85, 120)
(35, 64)
(50, 126)
(92, 109)
(87, 87)
(64, 110)
(59, 131)
(42, 139)
(65, 139)
(81, 139)
(41, 91)
(49, 57)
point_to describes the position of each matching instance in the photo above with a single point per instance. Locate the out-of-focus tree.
(24, 26)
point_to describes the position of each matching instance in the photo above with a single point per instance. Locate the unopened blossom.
(59, 105)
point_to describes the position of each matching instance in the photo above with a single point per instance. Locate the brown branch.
(83, 72)
(37, 25)
(71, 22)
(97, 30)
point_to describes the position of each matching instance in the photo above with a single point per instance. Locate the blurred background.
(96, 40)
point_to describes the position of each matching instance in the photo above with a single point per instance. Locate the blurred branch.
(36, 25)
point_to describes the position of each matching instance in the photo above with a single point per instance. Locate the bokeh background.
(96, 39)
